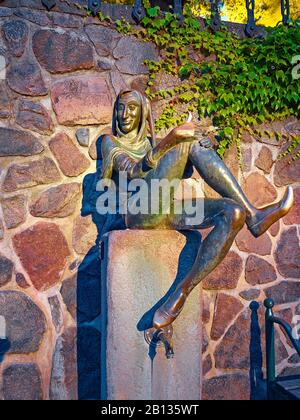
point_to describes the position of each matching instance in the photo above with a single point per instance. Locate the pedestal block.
(138, 269)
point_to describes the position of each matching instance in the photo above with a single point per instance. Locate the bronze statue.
(130, 150)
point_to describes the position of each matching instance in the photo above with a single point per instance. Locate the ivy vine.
(238, 83)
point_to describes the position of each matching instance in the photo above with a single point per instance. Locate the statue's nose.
(125, 112)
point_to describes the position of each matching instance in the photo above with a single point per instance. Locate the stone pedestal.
(139, 267)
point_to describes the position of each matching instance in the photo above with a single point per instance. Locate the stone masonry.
(63, 71)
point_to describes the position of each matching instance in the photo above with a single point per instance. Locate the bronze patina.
(130, 150)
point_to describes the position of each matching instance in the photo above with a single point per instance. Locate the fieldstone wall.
(63, 71)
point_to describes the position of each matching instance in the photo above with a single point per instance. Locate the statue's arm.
(123, 162)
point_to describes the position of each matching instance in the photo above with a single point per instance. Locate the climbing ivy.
(238, 83)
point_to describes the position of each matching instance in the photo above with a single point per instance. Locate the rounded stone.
(84, 234)
(63, 384)
(60, 201)
(25, 322)
(131, 54)
(259, 271)
(226, 275)
(24, 76)
(63, 52)
(70, 159)
(250, 294)
(16, 34)
(103, 38)
(227, 387)
(18, 143)
(22, 382)
(26, 175)
(226, 310)
(34, 116)
(284, 292)
(14, 210)
(265, 160)
(246, 242)
(253, 187)
(6, 270)
(287, 169)
(82, 100)
(44, 252)
(293, 217)
(287, 254)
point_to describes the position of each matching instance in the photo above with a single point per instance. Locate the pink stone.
(265, 160)
(259, 271)
(62, 52)
(44, 252)
(14, 210)
(82, 100)
(84, 234)
(60, 201)
(287, 254)
(26, 175)
(227, 388)
(71, 161)
(293, 217)
(226, 275)
(259, 190)
(246, 242)
(226, 309)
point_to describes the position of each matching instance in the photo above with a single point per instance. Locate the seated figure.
(129, 150)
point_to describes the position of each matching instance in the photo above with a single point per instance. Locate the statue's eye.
(132, 108)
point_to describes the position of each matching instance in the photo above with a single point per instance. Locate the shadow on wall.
(89, 292)
(4, 348)
(257, 383)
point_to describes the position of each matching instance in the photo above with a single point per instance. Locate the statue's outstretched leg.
(216, 174)
(227, 217)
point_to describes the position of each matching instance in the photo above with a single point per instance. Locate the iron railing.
(138, 11)
(271, 320)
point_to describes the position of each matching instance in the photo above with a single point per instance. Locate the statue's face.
(128, 113)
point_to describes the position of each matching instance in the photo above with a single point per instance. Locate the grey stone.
(63, 384)
(26, 175)
(294, 359)
(131, 55)
(83, 136)
(250, 294)
(104, 39)
(287, 254)
(24, 76)
(34, 116)
(25, 322)
(34, 16)
(18, 143)
(117, 82)
(66, 21)
(5, 102)
(56, 312)
(21, 281)
(5, 12)
(22, 382)
(14, 210)
(284, 292)
(16, 35)
(105, 63)
(6, 270)
(69, 294)
(70, 51)
(1, 230)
